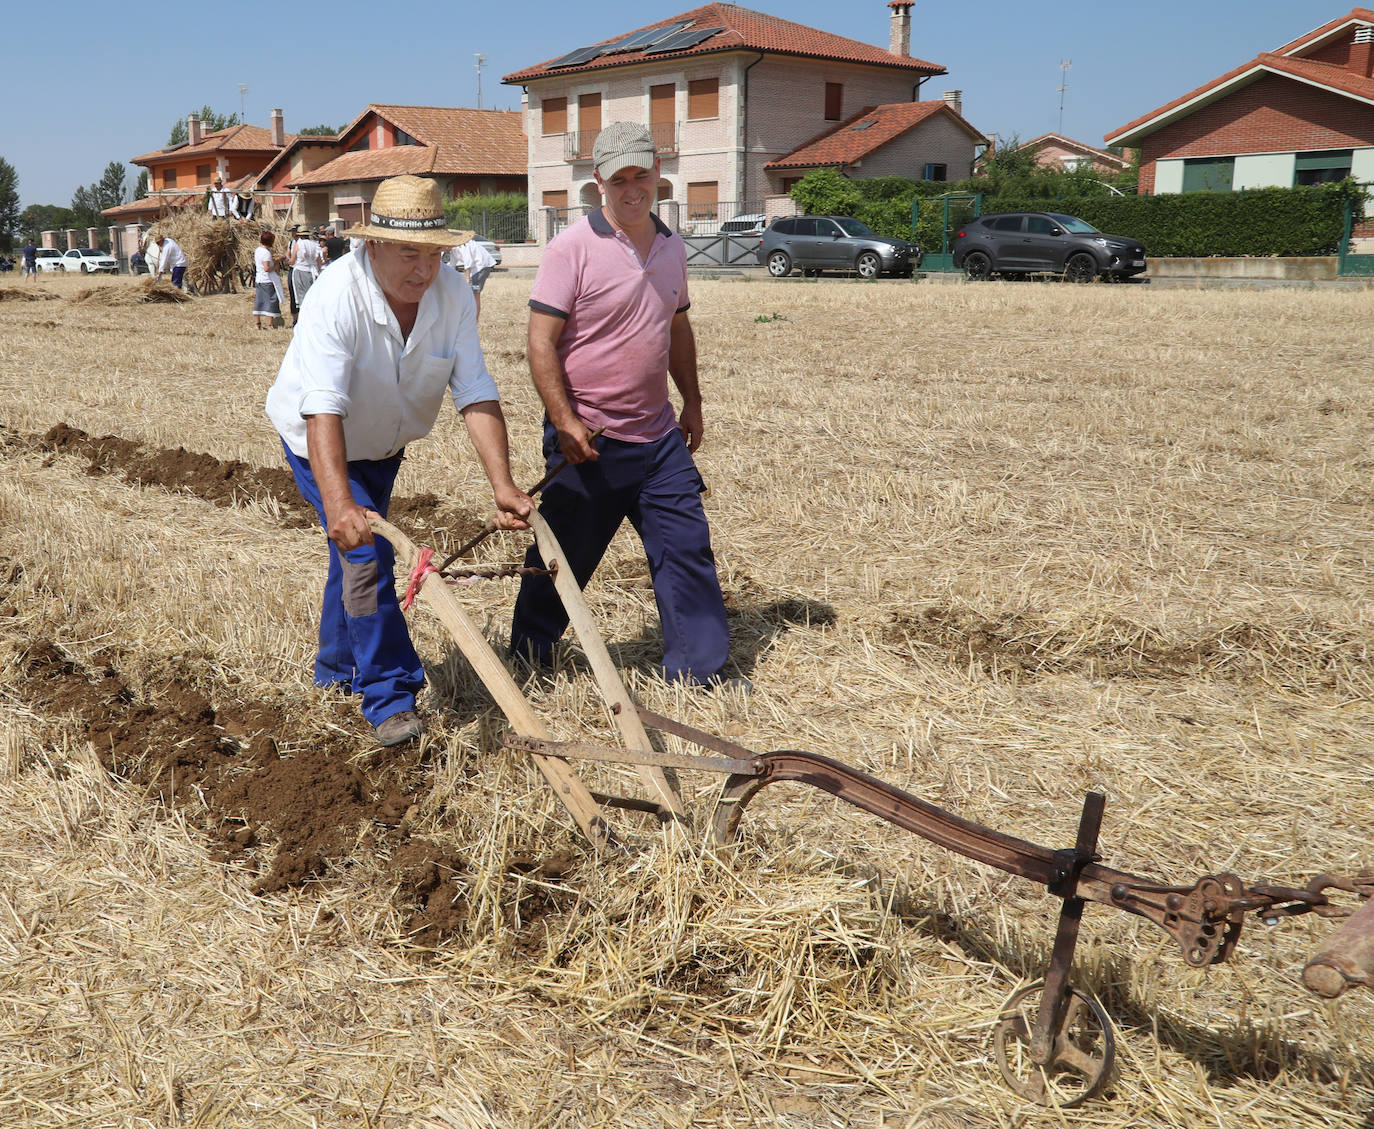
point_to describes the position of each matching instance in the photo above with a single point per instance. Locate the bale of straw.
(218, 253)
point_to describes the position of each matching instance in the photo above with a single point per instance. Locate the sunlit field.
(997, 545)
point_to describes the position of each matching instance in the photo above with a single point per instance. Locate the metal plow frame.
(1054, 1043)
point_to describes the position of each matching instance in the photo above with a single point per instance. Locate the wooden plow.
(1053, 1042)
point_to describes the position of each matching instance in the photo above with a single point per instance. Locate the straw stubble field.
(998, 545)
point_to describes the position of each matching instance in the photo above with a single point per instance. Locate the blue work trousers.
(655, 485)
(365, 646)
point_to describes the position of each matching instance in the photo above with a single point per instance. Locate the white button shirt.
(348, 358)
(172, 255)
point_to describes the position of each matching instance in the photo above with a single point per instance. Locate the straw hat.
(410, 209)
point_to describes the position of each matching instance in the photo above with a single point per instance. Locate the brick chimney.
(193, 133)
(955, 100)
(1362, 52)
(278, 130)
(899, 36)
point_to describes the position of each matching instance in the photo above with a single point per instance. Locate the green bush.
(1260, 221)
(503, 216)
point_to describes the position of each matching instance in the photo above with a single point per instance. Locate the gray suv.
(817, 243)
(1015, 244)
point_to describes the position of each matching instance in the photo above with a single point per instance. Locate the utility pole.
(1065, 65)
(481, 62)
(243, 92)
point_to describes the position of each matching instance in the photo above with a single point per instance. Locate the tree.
(92, 199)
(209, 122)
(141, 186)
(38, 218)
(320, 131)
(9, 205)
(85, 209)
(109, 189)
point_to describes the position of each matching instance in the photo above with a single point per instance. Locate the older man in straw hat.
(608, 327)
(386, 332)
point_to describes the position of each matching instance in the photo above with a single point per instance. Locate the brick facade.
(786, 107)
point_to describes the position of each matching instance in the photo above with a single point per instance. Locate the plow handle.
(1347, 961)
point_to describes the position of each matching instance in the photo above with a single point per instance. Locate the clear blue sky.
(85, 85)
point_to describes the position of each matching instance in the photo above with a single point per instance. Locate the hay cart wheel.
(1080, 1059)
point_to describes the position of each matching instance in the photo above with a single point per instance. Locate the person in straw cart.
(219, 201)
(385, 334)
(243, 204)
(608, 326)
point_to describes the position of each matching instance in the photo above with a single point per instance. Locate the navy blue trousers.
(365, 646)
(656, 486)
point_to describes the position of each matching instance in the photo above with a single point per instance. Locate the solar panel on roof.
(573, 58)
(683, 40)
(646, 38)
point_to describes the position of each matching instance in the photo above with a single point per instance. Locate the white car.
(89, 260)
(492, 249)
(50, 259)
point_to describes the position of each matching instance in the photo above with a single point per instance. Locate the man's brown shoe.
(399, 728)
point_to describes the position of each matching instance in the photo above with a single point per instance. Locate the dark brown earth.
(228, 483)
(269, 791)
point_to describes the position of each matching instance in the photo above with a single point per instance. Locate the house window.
(362, 144)
(702, 199)
(1209, 174)
(703, 98)
(790, 182)
(203, 174)
(937, 172)
(588, 119)
(556, 199)
(169, 178)
(553, 114)
(403, 138)
(834, 101)
(1322, 168)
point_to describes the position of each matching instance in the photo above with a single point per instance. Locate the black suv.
(1021, 243)
(817, 243)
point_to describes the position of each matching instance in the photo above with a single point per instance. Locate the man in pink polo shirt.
(608, 327)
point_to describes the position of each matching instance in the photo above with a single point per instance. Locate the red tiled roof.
(745, 30)
(1313, 38)
(1327, 75)
(454, 141)
(250, 137)
(1070, 143)
(1282, 62)
(852, 140)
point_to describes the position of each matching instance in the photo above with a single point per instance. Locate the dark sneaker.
(399, 728)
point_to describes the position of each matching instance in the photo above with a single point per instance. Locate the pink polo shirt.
(617, 312)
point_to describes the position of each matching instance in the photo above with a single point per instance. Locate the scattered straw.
(129, 294)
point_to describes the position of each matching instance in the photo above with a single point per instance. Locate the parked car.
(492, 249)
(745, 226)
(50, 259)
(820, 243)
(89, 260)
(1024, 243)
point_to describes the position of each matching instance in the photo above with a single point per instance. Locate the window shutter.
(703, 98)
(554, 114)
(702, 197)
(834, 101)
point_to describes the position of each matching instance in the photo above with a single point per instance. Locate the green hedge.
(1261, 221)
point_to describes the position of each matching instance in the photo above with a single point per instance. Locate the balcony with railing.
(578, 146)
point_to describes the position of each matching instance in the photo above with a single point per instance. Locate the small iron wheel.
(1081, 1053)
